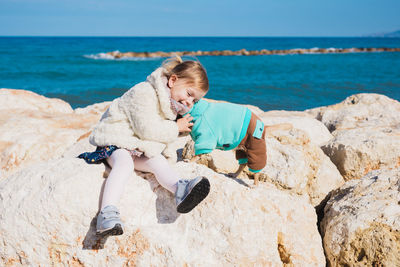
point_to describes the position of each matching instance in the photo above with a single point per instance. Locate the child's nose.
(190, 101)
(189, 104)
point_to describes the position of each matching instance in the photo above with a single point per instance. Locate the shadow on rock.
(165, 206)
(165, 203)
(238, 180)
(165, 211)
(93, 241)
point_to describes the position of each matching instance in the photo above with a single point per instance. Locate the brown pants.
(253, 147)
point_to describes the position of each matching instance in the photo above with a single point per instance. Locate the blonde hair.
(192, 71)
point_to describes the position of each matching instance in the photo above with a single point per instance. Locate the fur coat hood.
(142, 118)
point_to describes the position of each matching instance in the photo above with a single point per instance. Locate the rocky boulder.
(361, 226)
(366, 130)
(294, 164)
(48, 217)
(314, 128)
(35, 128)
(360, 150)
(357, 111)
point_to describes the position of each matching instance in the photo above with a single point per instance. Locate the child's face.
(183, 93)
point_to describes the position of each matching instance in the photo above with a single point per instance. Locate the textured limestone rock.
(47, 217)
(357, 151)
(361, 226)
(359, 110)
(21, 99)
(296, 164)
(367, 133)
(293, 163)
(34, 128)
(316, 130)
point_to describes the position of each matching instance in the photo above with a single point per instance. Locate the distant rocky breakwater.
(244, 52)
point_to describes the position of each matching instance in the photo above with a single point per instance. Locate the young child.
(227, 126)
(135, 130)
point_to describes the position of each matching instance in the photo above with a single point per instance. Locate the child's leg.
(122, 168)
(159, 166)
(188, 193)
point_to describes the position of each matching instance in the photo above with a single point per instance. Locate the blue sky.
(198, 18)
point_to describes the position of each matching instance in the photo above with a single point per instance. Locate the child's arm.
(206, 160)
(145, 119)
(239, 171)
(241, 156)
(204, 142)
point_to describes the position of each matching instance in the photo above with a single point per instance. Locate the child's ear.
(171, 81)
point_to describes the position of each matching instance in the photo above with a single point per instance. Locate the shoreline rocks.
(294, 164)
(366, 133)
(361, 224)
(48, 218)
(244, 52)
(35, 128)
(49, 199)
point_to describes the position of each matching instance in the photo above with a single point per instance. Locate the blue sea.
(73, 68)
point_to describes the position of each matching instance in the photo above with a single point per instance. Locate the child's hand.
(184, 123)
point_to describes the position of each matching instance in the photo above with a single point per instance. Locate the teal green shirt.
(218, 125)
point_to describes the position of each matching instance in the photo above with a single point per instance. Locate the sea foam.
(108, 56)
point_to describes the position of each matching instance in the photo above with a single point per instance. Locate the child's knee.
(121, 157)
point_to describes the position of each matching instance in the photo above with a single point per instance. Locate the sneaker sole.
(198, 193)
(116, 230)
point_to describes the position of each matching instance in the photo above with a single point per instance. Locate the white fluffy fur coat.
(140, 119)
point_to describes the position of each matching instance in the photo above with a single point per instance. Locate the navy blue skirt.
(98, 156)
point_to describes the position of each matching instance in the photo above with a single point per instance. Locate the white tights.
(123, 164)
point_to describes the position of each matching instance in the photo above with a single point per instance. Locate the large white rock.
(47, 217)
(357, 151)
(366, 128)
(361, 226)
(35, 128)
(315, 129)
(21, 99)
(294, 164)
(359, 110)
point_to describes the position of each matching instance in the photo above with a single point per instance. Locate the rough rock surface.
(361, 226)
(366, 129)
(359, 110)
(293, 163)
(34, 128)
(47, 217)
(48, 209)
(315, 129)
(358, 151)
(296, 164)
(11, 99)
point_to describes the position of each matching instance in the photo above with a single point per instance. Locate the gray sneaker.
(108, 222)
(190, 193)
